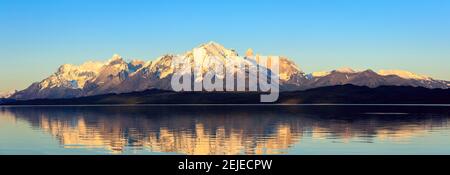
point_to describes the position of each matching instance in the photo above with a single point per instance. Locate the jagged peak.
(164, 57)
(92, 66)
(116, 58)
(160, 60)
(290, 63)
(65, 67)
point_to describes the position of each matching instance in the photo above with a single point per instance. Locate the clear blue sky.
(38, 36)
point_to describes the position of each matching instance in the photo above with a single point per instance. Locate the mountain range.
(339, 94)
(117, 76)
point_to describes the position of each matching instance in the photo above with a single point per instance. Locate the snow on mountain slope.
(110, 75)
(158, 73)
(152, 74)
(318, 74)
(325, 73)
(6, 94)
(67, 82)
(72, 76)
(345, 70)
(403, 74)
(289, 72)
(119, 76)
(371, 79)
(86, 79)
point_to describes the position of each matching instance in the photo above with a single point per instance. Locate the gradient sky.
(38, 36)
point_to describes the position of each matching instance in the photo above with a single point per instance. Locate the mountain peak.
(65, 68)
(115, 57)
(214, 49)
(116, 60)
(212, 43)
(345, 70)
(249, 52)
(403, 74)
(212, 46)
(119, 76)
(7, 94)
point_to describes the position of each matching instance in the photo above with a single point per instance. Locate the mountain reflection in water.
(226, 129)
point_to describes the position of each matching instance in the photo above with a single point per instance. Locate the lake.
(297, 130)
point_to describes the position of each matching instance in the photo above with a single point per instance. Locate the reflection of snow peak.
(213, 73)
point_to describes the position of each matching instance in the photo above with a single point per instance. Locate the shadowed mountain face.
(343, 94)
(225, 130)
(119, 76)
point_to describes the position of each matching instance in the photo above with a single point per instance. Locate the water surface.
(225, 130)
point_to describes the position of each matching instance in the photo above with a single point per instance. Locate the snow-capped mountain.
(111, 75)
(371, 79)
(6, 94)
(119, 76)
(157, 74)
(404, 74)
(90, 78)
(67, 82)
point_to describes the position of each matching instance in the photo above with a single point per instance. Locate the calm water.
(225, 130)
